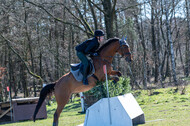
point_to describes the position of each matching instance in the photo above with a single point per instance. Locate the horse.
(67, 84)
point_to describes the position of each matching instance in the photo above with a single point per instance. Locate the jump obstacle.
(22, 109)
(125, 111)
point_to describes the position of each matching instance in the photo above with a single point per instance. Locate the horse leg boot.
(57, 114)
(55, 121)
(62, 99)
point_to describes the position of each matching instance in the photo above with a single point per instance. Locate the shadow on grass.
(50, 111)
(155, 93)
(183, 99)
(72, 106)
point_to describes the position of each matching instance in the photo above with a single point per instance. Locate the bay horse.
(67, 84)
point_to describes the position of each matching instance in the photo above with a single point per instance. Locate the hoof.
(114, 81)
(55, 124)
(119, 74)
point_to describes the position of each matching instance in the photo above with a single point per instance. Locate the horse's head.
(111, 47)
(124, 50)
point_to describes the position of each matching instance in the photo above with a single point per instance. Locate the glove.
(95, 54)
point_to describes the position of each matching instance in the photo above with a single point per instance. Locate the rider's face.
(101, 39)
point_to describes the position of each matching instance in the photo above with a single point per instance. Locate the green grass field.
(162, 107)
(165, 107)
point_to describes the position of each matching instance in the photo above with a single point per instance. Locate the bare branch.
(114, 4)
(84, 20)
(9, 45)
(55, 18)
(93, 14)
(97, 7)
(72, 15)
(123, 9)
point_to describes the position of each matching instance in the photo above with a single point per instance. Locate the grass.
(165, 107)
(162, 107)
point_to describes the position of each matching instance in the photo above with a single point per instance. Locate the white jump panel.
(125, 111)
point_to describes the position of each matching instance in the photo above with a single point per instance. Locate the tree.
(37, 39)
(187, 49)
(169, 39)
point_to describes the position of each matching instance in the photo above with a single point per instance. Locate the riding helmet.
(98, 33)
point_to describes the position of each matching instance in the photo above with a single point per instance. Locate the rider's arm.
(89, 47)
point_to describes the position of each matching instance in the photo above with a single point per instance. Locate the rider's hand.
(95, 54)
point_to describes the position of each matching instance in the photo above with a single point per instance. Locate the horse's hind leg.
(57, 114)
(61, 102)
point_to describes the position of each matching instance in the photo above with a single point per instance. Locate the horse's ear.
(126, 38)
(122, 39)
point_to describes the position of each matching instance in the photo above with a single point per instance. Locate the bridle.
(121, 43)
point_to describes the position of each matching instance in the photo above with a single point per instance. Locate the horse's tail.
(43, 93)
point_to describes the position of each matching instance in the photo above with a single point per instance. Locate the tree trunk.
(57, 62)
(40, 55)
(23, 79)
(109, 17)
(167, 73)
(141, 39)
(93, 15)
(69, 47)
(169, 38)
(187, 46)
(10, 72)
(159, 47)
(29, 45)
(154, 43)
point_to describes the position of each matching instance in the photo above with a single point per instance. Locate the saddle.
(77, 70)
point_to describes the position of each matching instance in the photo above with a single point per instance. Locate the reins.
(121, 43)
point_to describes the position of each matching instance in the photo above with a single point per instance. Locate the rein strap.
(95, 77)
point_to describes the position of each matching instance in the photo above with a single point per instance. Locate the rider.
(89, 47)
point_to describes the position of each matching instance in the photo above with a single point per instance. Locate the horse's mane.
(108, 42)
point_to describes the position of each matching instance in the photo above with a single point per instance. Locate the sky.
(179, 11)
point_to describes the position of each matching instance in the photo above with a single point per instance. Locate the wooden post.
(10, 109)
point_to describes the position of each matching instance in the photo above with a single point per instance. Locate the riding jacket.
(88, 47)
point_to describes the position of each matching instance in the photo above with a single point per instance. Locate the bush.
(100, 91)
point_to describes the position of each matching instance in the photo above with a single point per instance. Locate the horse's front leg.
(115, 72)
(115, 79)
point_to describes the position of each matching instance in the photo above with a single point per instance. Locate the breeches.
(84, 61)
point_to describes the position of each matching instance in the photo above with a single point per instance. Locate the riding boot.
(85, 80)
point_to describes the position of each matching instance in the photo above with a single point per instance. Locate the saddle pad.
(78, 75)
